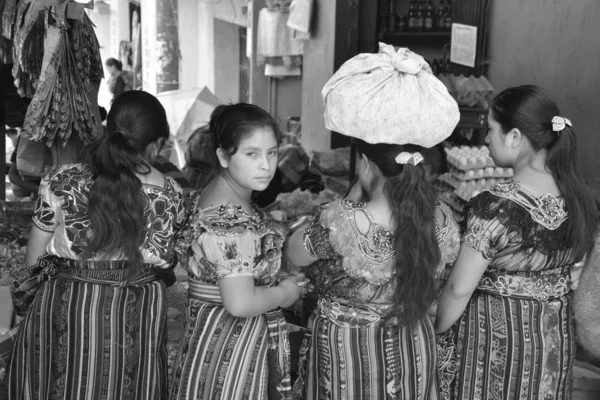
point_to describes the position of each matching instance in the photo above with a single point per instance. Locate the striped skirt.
(340, 360)
(511, 345)
(83, 340)
(222, 357)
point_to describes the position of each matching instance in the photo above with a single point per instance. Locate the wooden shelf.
(400, 38)
(441, 34)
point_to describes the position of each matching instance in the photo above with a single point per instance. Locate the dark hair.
(199, 158)
(116, 203)
(229, 124)
(113, 62)
(412, 199)
(530, 109)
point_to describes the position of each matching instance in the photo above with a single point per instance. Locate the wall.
(289, 98)
(197, 38)
(204, 62)
(227, 61)
(554, 44)
(318, 67)
(101, 17)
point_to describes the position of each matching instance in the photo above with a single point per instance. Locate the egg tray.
(467, 157)
(466, 190)
(456, 204)
(456, 183)
(465, 163)
(485, 173)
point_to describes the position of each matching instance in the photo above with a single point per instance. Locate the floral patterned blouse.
(225, 241)
(355, 268)
(62, 207)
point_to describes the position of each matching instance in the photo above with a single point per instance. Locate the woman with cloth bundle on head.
(374, 262)
(510, 289)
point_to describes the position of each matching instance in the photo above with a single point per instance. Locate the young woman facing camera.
(510, 287)
(235, 344)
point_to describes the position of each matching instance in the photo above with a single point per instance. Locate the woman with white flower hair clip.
(374, 256)
(507, 304)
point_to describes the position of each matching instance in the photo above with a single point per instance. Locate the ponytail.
(413, 202)
(412, 199)
(116, 203)
(579, 199)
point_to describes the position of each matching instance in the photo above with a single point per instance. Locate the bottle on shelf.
(392, 16)
(448, 17)
(412, 17)
(401, 20)
(420, 17)
(440, 21)
(429, 18)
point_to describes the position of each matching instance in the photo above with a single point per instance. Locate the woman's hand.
(293, 290)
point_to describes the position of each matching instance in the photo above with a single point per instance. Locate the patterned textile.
(221, 356)
(61, 208)
(352, 350)
(89, 333)
(515, 339)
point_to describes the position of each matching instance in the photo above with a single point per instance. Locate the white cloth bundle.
(389, 97)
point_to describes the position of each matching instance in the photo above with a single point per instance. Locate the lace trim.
(542, 286)
(547, 210)
(368, 256)
(448, 234)
(343, 315)
(488, 209)
(480, 239)
(230, 220)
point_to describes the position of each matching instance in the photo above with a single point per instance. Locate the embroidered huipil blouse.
(225, 241)
(355, 268)
(524, 237)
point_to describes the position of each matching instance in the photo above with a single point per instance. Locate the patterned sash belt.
(278, 356)
(204, 292)
(347, 316)
(112, 273)
(539, 285)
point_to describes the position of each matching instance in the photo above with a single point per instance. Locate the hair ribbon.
(559, 123)
(409, 158)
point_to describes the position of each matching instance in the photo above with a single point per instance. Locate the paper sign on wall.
(464, 45)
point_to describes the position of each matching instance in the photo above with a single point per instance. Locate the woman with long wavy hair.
(374, 256)
(96, 328)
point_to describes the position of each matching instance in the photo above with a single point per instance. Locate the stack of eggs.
(472, 171)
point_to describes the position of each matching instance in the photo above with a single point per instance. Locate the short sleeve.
(316, 237)
(484, 230)
(219, 256)
(186, 230)
(44, 216)
(448, 238)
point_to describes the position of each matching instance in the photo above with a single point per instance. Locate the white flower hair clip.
(409, 158)
(558, 123)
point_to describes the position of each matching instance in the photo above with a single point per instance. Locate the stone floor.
(586, 384)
